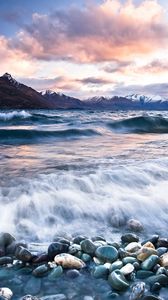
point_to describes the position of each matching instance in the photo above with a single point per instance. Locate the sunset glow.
(86, 48)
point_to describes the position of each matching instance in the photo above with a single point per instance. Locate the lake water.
(82, 172)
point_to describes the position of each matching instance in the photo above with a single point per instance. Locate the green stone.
(107, 253)
(117, 280)
(116, 265)
(150, 262)
(55, 273)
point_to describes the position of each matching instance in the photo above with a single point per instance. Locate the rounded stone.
(55, 273)
(127, 269)
(116, 265)
(162, 279)
(129, 238)
(40, 271)
(74, 248)
(57, 248)
(78, 239)
(149, 245)
(156, 287)
(117, 280)
(164, 260)
(23, 254)
(153, 239)
(6, 293)
(135, 225)
(150, 262)
(133, 247)
(141, 274)
(68, 261)
(107, 253)
(161, 251)
(129, 259)
(86, 257)
(88, 247)
(101, 272)
(145, 252)
(162, 242)
(5, 260)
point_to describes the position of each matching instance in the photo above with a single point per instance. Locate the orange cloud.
(97, 33)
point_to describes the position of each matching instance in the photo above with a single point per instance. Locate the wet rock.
(137, 291)
(153, 239)
(107, 253)
(129, 238)
(161, 251)
(88, 298)
(162, 279)
(23, 254)
(101, 272)
(98, 238)
(150, 262)
(74, 248)
(73, 273)
(5, 240)
(149, 245)
(122, 253)
(42, 258)
(116, 266)
(6, 293)
(61, 240)
(141, 274)
(117, 280)
(156, 287)
(145, 252)
(68, 261)
(40, 271)
(86, 257)
(5, 260)
(57, 248)
(11, 249)
(133, 247)
(136, 265)
(55, 273)
(88, 247)
(112, 295)
(162, 243)
(78, 239)
(161, 270)
(164, 260)
(129, 260)
(127, 269)
(135, 225)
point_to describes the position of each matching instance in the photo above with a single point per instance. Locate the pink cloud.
(97, 33)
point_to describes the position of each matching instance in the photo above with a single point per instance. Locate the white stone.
(6, 293)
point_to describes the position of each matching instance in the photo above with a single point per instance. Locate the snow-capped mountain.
(145, 99)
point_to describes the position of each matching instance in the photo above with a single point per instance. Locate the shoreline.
(84, 268)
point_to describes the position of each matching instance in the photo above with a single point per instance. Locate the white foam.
(14, 114)
(87, 203)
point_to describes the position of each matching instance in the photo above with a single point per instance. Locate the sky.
(86, 48)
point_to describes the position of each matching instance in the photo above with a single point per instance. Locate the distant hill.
(15, 95)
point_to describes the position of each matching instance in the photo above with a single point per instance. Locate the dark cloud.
(94, 81)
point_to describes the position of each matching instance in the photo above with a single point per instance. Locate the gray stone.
(129, 238)
(88, 247)
(101, 272)
(55, 273)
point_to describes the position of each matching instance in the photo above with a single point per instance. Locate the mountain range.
(15, 95)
